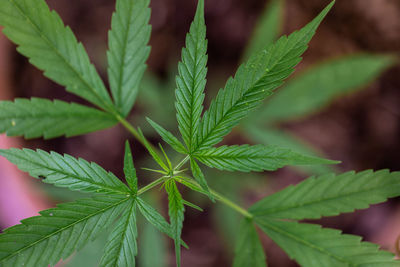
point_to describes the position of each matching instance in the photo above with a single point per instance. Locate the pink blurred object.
(18, 199)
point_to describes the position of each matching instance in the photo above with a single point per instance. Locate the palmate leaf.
(312, 90)
(42, 37)
(191, 80)
(128, 51)
(65, 171)
(248, 251)
(121, 247)
(39, 117)
(58, 232)
(254, 81)
(313, 246)
(330, 195)
(267, 28)
(247, 158)
(176, 211)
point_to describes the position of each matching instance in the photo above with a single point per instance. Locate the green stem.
(130, 128)
(151, 185)
(231, 204)
(180, 164)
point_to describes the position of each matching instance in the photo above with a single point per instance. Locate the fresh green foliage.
(129, 169)
(176, 216)
(127, 54)
(156, 156)
(254, 158)
(311, 245)
(254, 80)
(331, 195)
(121, 247)
(38, 117)
(156, 219)
(249, 251)
(57, 233)
(42, 37)
(199, 176)
(192, 80)
(168, 137)
(65, 171)
(308, 92)
(152, 249)
(285, 139)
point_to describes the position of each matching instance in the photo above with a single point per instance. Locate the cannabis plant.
(38, 241)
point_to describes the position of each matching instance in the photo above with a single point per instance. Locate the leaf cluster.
(52, 47)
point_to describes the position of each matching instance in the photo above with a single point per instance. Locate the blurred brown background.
(362, 130)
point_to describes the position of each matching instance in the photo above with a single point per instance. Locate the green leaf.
(193, 206)
(42, 37)
(153, 153)
(176, 209)
(168, 137)
(156, 219)
(58, 232)
(254, 81)
(249, 251)
(310, 91)
(152, 246)
(39, 117)
(191, 80)
(65, 171)
(121, 247)
(284, 139)
(199, 176)
(247, 158)
(267, 29)
(330, 195)
(310, 245)
(128, 51)
(129, 169)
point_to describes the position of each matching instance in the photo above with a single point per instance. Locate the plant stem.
(160, 180)
(130, 128)
(151, 185)
(231, 204)
(195, 186)
(180, 164)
